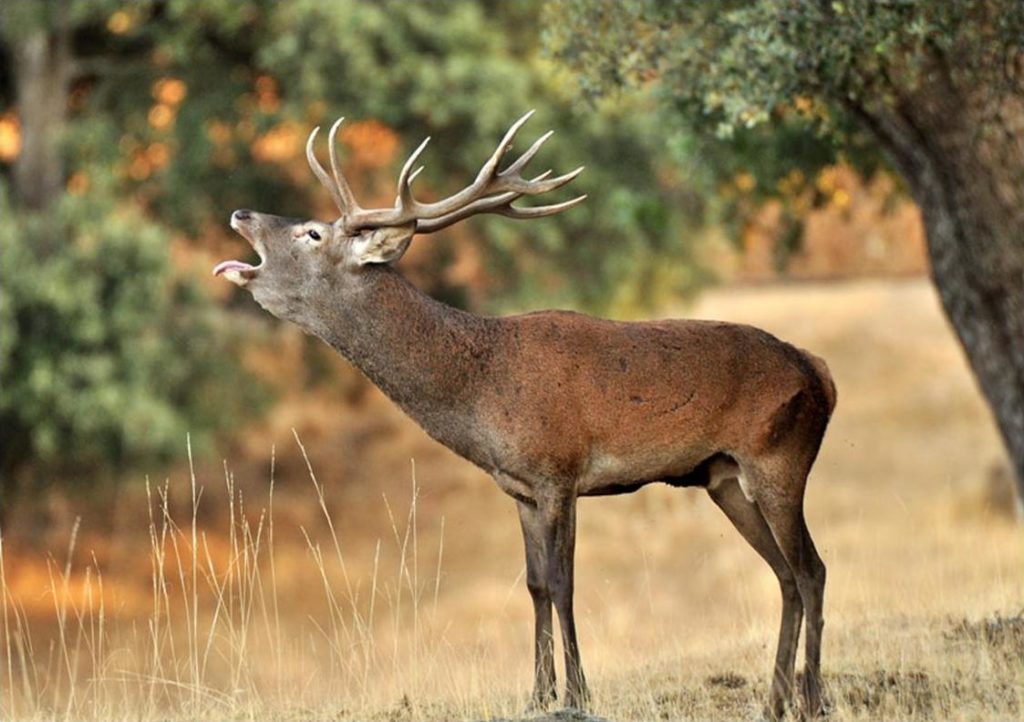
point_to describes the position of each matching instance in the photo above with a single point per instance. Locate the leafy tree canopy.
(734, 64)
(108, 359)
(723, 70)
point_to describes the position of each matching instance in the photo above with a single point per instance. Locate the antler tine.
(539, 211)
(492, 163)
(344, 190)
(527, 156)
(321, 174)
(540, 184)
(405, 198)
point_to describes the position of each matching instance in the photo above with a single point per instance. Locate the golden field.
(385, 580)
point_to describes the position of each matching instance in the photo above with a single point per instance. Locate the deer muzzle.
(244, 222)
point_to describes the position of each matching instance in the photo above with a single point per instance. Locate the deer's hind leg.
(779, 498)
(726, 491)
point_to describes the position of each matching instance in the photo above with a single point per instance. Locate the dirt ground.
(419, 610)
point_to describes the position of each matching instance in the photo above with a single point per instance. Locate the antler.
(491, 192)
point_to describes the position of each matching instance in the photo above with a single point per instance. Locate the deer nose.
(242, 214)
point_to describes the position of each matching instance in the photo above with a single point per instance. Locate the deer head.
(300, 259)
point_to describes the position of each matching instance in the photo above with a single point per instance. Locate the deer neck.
(428, 357)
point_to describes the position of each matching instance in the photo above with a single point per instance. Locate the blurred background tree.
(130, 130)
(939, 87)
(109, 355)
(109, 359)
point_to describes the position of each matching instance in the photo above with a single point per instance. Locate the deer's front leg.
(560, 544)
(537, 582)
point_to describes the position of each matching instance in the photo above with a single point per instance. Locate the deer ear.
(381, 245)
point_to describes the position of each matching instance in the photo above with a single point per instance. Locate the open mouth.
(235, 270)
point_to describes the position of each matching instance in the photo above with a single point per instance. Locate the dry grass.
(361, 595)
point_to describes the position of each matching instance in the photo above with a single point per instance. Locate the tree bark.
(42, 76)
(960, 146)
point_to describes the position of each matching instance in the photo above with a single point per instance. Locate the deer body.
(556, 405)
(604, 407)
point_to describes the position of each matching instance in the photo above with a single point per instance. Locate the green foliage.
(737, 63)
(725, 69)
(107, 357)
(459, 72)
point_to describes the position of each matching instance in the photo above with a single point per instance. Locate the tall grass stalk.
(216, 642)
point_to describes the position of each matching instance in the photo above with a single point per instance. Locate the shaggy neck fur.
(430, 358)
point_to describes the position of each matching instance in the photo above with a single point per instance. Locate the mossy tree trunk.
(958, 139)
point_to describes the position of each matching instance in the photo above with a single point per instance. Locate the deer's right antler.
(493, 191)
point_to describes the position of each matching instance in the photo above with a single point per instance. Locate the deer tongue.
(225, 266)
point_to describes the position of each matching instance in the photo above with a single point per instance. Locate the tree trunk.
(42, 76)
(960, 147)
(978, 267)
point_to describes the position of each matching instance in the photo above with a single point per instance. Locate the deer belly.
(621, 474)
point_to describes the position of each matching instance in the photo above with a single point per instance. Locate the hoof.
(539, 704)
(574, 711)
(578, 698)
(578, 706)
(772, 715)
(819, 711)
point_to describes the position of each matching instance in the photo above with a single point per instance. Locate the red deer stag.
(557, 405)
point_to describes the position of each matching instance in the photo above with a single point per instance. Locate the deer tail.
(828, 386)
